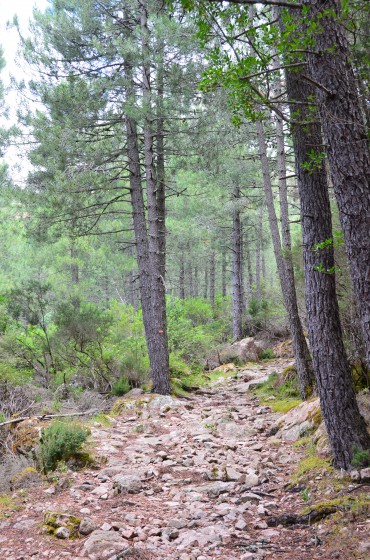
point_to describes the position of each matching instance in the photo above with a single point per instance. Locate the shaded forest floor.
(196, 478)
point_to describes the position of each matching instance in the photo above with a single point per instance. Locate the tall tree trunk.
(345, 426)
(205, 293)
(237, 266)
(182, 275)
(223, 274)
(196, 281)
(249, 269)
(190, 277)
(301, 352)
(346, 142)
(161, 176)
(159, 361)
(258, 255)
(75, 276)
(212, 277)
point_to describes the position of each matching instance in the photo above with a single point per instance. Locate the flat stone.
(127, 484)
(87, 526)
(101, 545)
(214, 489)
(240, 524)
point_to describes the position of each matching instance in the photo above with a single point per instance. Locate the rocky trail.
(185, 479)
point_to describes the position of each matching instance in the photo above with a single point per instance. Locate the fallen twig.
(47, 417)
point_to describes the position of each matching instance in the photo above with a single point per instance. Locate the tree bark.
(223, 274)
(345, 426)
(159, 360)
(258, 256)
(237, 266)
(212, 277)
(249, 270)
(347, 145)
(205, 293)
(301, 352)
(196, 281)
(182, 276)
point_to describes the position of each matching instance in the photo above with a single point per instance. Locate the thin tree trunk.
(345, 426)
(182, 276)
(258, 255)
(347, 145)
(205, 293)
(212, 277)
(249, 270)
(75, 276)
(190, 279)
(301, 352)
(237, 265)
(223, 274)
(196, 281)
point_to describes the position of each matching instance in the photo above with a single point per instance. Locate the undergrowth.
(279, 391)
(61, 441)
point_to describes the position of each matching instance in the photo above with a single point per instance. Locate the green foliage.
(314, 162)
(61, 441)
(360, 458)
(281, 392)
(267, 354)
(121, 387)
(195, 327)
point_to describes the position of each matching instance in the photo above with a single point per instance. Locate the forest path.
(199, 479)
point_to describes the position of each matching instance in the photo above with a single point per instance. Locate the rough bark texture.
(212, 277)
(301, 352)
(237, 267)
(258, 256)
(223, 273)
(347, 145)
(249, 269)
(159, 357)
(345, 426)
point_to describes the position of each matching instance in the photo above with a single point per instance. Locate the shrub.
(360, 458)
(267, 354)
(121, 387)
(61, 441)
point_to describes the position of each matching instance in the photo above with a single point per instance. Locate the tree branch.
(281, 3)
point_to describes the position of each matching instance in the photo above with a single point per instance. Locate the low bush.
(121, 387)
(361, 458)
(61, 441)
(267, 354)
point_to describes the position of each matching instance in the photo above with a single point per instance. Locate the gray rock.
(87, 526)
(251, 480)
(24, 524)
(217, 488)
(355, 475)
(101, 545)
(170, 533)
(365, 475)
(127, 484)
(177, 523)
(240, 524)
(63, 533)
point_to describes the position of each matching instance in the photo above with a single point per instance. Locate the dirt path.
(197, 479)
